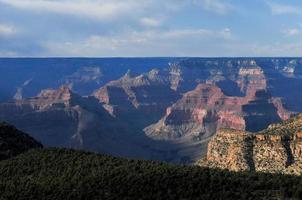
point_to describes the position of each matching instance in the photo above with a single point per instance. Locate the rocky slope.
(206, 109)
(56, 117)
(14, 142)
(61, 118)
(141, 99)
(275, 149)
(236, 97)
(196, 114)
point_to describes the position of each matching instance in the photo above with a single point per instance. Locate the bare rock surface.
(276, 149)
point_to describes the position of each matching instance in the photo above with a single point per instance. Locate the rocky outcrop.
(233, 96)
(142, 99)
(251, 79)
(183, 100)
(14, 142)
(197, 115)
(49, 97)
(206, 109)
(61, 118)
(260, 111)
(276, 149)
(56, 117)
(230, 149)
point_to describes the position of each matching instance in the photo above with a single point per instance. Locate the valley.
(164, 109)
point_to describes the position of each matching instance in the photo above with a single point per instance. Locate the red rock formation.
(61, 118)
(251, 78)
(49, 96)
(56, 117)
(199, 113)
(282, 112)
(204, 110)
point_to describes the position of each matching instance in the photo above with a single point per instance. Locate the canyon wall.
(152, 108)
(276, 149)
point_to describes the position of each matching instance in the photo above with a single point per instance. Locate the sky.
(150, 28)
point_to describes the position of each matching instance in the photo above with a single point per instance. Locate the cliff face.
(198, 114)
(135, 97)
(61, 118)
(276, 149)
(230, 149)
(251, 78)
(167, 113)
(57, 117)
(206, 109)
(231, 94)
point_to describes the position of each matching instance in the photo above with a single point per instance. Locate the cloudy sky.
(106, 28)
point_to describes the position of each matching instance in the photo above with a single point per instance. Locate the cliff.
(57, 117)
(275, 149)
(132, 98)
(199, 113)
(163, 110)
(61, 118)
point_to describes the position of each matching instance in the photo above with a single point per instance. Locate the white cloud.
(292, 32)
(7, 54)
(179, 42)
(95, 9)
(146, 21)
(279, 9)
(7, 30)
(117, 9)
(276, 49)
(216, 6)
(154, 42)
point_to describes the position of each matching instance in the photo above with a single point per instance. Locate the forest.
(69, 174)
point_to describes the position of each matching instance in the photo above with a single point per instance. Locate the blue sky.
(106, 28)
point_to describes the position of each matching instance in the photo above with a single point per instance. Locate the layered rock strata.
(206, 109)
(276, 149)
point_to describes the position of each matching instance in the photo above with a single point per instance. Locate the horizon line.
(138, 57)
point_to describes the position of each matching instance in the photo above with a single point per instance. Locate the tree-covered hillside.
(69, 174)
(14, 142)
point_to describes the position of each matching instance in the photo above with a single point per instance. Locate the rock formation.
(275, 149)
(56, 117)
(197, 115)
(142, 99)
(167, 113)
(61, 118)
(206, 109)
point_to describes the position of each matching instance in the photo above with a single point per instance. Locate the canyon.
(165, 109)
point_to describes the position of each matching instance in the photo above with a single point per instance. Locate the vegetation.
(69, 174)
(14, 142)
(285, 128)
